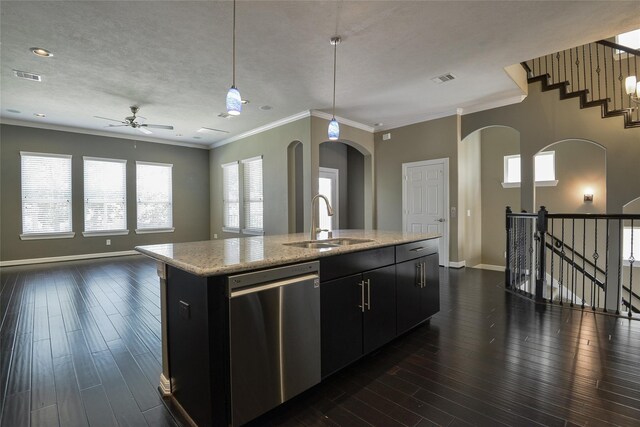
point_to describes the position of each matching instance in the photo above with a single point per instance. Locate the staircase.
(595, 73)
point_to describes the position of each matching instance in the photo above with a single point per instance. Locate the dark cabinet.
(358, 315)
(418, 291)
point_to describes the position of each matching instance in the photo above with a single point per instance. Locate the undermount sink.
(327, 244)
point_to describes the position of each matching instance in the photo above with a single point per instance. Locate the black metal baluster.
(558, 62)
(620, 78)
(517, 253)
(552, 74)
(631, 261)
(606, 268)
(619, 290)
(524, 250)
(577, 69)
(606, 79)
(561, 275)
(531, 266)
(598, 69)
(573, 261)
(584, 68)
(584, 239)
(595, 267)
(613, 80)
(553, 251)
(564, 58)
(546, 68)
(570, 70)
(591, 71)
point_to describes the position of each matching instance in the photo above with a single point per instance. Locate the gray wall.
(333, 154)
(470, 200)
(272, 145)
(355, 161)
(190, 191)
(496, 142)
(434, 139)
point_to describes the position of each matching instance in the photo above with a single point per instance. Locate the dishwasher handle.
(279, 283)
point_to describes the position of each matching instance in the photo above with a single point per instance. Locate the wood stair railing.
(595, 73)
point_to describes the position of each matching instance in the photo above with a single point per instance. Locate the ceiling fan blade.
(157, 126)
(115, 126)
(143, 130)
(204, 129)
(107, 118)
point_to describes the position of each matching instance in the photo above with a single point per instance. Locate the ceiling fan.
(131, 122)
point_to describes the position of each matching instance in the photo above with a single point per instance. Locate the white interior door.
(425, 200)
(328, 186)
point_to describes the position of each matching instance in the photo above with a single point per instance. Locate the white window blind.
(231, 197)
(46, 194)
(105, 195)
(253, 195)
(154, 196)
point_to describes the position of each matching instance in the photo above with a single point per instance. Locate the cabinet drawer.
(418, 249)
(355, 262)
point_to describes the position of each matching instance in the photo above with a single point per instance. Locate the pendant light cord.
(335, 50)
(234, 44)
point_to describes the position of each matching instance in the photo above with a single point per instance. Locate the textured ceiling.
(173, 58)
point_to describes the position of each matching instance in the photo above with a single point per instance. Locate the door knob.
(441, 220)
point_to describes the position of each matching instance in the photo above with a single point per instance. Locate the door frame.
(444, 257)
(336, 203)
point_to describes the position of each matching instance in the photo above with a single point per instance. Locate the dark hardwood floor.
(80, 345)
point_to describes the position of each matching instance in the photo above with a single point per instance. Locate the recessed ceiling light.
(43, 53)
(39, 115)
(245, 101)
(13, 111)
(265, 107)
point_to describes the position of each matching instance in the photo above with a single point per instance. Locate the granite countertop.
(224, 256)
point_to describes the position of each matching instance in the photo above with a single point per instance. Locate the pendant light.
(234, 100)
(334, 126)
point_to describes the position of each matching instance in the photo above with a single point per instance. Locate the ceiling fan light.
(234, 101)
(630, 85)
(334, 130)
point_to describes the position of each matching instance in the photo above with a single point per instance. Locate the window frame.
(225, 227)
(169, 229)
(46, 235)
(547, 183)
(246, 199)
(97, 233)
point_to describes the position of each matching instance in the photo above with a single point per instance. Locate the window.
(46, 196)
(544, 170)
(630, 39)
(105, 197)
(328, 185)
(231, 197)
(253, 196)
(154, 195)
(628, 235)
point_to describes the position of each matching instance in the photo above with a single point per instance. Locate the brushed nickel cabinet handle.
(361, 306)
(421, 248)
(424, 274)
(368, 294)
(418, 274)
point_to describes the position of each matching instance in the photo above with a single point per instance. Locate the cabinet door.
(341, 321)
(431, 291)
(380, 313)
(409, 294)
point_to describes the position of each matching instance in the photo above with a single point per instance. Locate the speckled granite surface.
(224, 256)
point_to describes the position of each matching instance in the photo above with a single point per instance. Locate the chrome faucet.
(313, 235)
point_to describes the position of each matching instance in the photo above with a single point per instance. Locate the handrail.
(594, 216)
(613, 45)
(578, 254)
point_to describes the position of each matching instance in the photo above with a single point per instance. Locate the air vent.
(443, 78)
(209, 130)
(225, 115)
(27, 76)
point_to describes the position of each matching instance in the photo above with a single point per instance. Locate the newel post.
(542, 258)
(507, 270)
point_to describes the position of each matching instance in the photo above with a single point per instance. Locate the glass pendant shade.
(334, 130)
(234, 101)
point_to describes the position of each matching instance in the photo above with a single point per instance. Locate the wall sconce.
(588, 195)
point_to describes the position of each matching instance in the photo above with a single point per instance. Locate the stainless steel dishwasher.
(275, 337)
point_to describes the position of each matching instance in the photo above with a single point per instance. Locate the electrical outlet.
(108, 242)
(468, 212)
(215, 236)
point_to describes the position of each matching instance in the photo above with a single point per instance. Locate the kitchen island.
(248, 323)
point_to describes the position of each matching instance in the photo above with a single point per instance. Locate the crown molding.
(84, 131)
(261, 129)
(342, 121)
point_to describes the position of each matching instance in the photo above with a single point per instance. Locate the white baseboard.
(457, 264)
(490, 267)
(66, 258)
